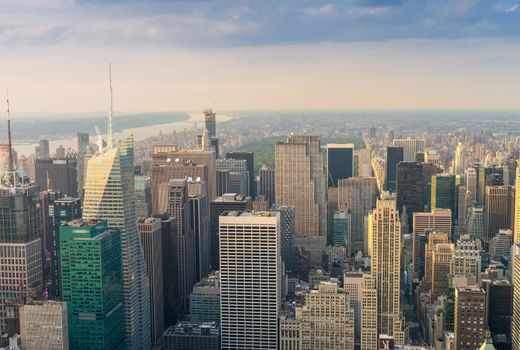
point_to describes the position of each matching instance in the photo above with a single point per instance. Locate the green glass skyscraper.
(444, 193)
(92, 284)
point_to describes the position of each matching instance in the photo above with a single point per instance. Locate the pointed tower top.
(11, 176)
(111, 110)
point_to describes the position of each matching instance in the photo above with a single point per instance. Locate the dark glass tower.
(250, 158)
(394, 155)
(340, 162)
(410, 189)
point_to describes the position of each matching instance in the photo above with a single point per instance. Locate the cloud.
(513, 8)
(326, 9)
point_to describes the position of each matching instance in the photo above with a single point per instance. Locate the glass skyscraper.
(110, 195)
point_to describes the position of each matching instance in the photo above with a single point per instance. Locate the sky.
(186, 55)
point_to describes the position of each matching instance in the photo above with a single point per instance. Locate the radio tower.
(11, 176)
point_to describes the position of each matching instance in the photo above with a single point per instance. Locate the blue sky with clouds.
(317, 54)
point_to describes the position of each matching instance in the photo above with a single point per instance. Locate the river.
(140, 133)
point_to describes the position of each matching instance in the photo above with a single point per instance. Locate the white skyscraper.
(410, 148)
(250, 283)
(44, 326)
(110, 195)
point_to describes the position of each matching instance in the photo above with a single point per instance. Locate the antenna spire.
(11, 161)
(111, 112)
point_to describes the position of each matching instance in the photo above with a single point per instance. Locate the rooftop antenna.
(111, 112)
(11, 161)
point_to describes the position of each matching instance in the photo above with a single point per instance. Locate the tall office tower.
(237, 176)
(459, 159)
(42, 150)
(429, 170)
(203, 157)
(488, 176)
(300, 181)
(44, 326)
(150, 231)
(59, 211)
(471, 182)
(60, 152)
(364, 162)
(143, 196)
(210, 122)
(515, 323)
(441, 266)
(466, 260)
(358, 194)
(369, 313)
(60, 174)
(83, 142)
(164, 171)
(476, 225)
(266, 184)
(320, 326)
(463, 202)
(410, 148)
(426, 257)
(249, 255)
(286, 234)
(170, 272)
(340, 162)
(470, 317)
(499, 295)
(500, 245)
(110, 194)
(497, 212)
(249, 157)
(444, 193)
(516, 226)
(92, 285)
(353, 284)
(21, 275)
(205, 300)
(394, 155)
(228, 202)
(192, 336)
(431, 156)
(410, 189)
(179, 207)
(222, 182)
(341, 229)
(436, 220)
(384, 232)
(199, 225)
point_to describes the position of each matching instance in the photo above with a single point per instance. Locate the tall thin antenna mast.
(11, 161)
(111, 112)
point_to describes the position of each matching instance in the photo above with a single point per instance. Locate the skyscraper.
(249, 157)
(44, 326)
(59, 212)
(110, 195)
(410, 147)
(210, 122)
(143, 196)
(21, 275)
(92, 285)
(42, 150)
(83, 142)
(515, 323)
(394, 155)
(444, 193)
(364, 162)
(516, 238)
(470, 317)
(228, 202)
(150, 231)
(410, 188)
(358, 194)
(60, 174)
(497, 212)
(250, 255)
(341, 229)
(385, 250)
(266, 184)
(340, 162)
(286, 234)
(200, 226)
(179, 207)
(238, 176)
(457, 166)
(441, 265)
(301, 182)
(471, 182)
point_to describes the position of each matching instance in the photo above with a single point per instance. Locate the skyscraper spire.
(11, 176)
(111, 111)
